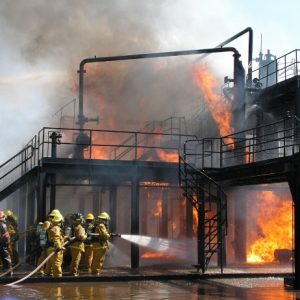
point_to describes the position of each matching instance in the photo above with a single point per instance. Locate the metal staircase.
(210, 202)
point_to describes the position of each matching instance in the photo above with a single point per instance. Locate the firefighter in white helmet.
(100, 239)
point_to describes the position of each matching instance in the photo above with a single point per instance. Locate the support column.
(135, 253)
(22, 199)
(294, 183)
(113, 208)
(52, 179)
(144, 211)
(164, 214)
(221, 231)
(96, 206)
(201, 231)
(189, 219)
(240, 227)
(41, 197)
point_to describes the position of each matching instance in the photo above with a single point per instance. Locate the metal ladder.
(210, 202)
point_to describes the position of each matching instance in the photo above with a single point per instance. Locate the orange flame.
(195, 220)
(275, 222)
(170, 156)
(150, 254)
(154, 183)
(158, 209)
(220, 109)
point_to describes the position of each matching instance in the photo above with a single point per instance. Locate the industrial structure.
(129, 171)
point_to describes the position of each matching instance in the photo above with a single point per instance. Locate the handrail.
(19, 164)
(277, 139)
(41, 146)
(270, 73)
(212, 228)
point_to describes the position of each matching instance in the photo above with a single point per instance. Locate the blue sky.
(44, 41)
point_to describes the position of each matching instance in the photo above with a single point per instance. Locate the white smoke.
(44, 41)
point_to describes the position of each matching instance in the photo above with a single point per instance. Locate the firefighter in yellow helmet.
(55, 212)
(55, 243)
(77, 245)
(88, 245)
(100, 242)
(12, 227)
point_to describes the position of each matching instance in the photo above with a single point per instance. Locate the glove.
(57, 249)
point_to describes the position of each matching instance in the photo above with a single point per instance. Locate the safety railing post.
(221, 153)
(91, 143)
(135, 145)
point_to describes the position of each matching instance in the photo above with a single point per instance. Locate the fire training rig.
(106, 161)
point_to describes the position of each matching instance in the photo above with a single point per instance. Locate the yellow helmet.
(89, 216)
(104, 216)
(57, 218)
(55, 213)
(9, 213)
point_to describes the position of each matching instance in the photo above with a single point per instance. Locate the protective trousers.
(56, 261)
(88, 257)
(98, 258)
(76, 250)
(46, 269)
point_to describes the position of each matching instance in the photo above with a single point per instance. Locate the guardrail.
(16, 166)
(275, 140)
(92, 144)
(279, 69)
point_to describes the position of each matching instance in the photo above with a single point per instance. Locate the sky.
(43, 42)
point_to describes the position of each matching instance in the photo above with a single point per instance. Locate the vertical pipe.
(81, 118)
(135, 146)
(54, 139)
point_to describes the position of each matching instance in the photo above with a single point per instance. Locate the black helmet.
(78, 218)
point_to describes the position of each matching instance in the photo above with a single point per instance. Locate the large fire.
(219, 108)
(274, 226)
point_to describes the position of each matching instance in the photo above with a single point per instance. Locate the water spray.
(179, 248)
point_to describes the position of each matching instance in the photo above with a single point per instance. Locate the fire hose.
(39, 266)
(14, 267)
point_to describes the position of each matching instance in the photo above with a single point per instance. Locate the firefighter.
(88, 254)
(12, 227)
(4, 244)
(77, 244)
(67, 230)
(42, 240)
(55, 243)
(100, 242)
